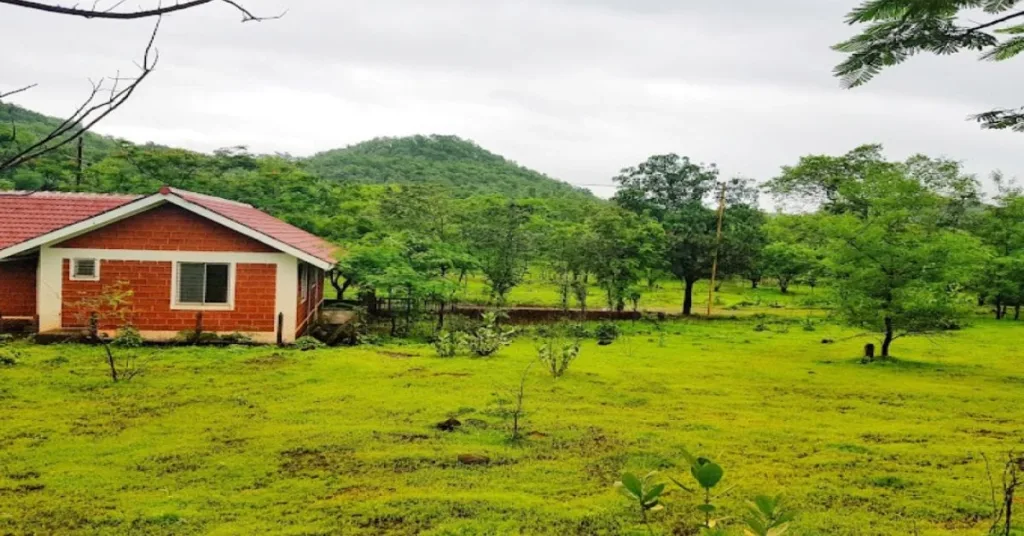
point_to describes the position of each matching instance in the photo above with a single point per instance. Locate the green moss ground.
(340, 441)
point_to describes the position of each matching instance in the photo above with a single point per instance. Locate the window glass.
(216, 283)
(191, 282)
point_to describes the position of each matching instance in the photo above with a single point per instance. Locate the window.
(203, 284)
(85, 270)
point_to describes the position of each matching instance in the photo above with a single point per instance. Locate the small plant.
(513, 410)
(578, 331)
(644, 493)
(307, 344)
(557, 354)
(128, 337)
(9, 357)
(607, 332)
(707, 474)
(766, 517)
(487, 339)
(450, 343)
(808, 324)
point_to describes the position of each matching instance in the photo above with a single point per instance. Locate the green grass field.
(341, 441)
(734, 298)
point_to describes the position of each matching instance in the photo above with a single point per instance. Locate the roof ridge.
(33, 193)
(179, 192)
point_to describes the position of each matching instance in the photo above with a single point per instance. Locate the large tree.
(673, 190)
(899, 29)
(499, 235)
(896, 271)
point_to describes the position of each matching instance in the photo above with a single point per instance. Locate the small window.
(203, 284)
(85, 270)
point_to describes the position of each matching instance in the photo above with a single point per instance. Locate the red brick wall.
(314, 297)
(150, 308)
(167, 228)
(18, 287)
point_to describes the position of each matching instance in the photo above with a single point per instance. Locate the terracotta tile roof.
(26, 215)
(262, 223)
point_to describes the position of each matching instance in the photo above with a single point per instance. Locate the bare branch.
(89, 113)
(19, 90)
(110, 13)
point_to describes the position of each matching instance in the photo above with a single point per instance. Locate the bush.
(450, 343)
(558, 354)
(487, 339)
(128, 337)
(9, 358)
(607, 332)
(308, 343)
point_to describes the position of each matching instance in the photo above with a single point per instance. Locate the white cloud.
(574, 88)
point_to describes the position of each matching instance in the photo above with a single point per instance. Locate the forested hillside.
(23, 127)
(447, 161)
(337, 194)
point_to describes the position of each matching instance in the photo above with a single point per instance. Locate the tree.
(499, 236)
(787, 262)
(363, 263)
(107, 94)
(743, 233)
(899, 29)
(823, 181)
(895, 270)
(673, 190)
(624, 245)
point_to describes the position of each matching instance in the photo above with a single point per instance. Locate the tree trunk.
(440, 316)
(754, 282)
(888, 338)
(1016, 312)
(688, 297)
(784, 285)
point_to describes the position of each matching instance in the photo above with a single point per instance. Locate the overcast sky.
(576, 89)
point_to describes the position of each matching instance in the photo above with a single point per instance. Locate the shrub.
(128, 337)
(578, 331)
(607, 332)
(308, 343)
(557, 354)
(9, 358)
(450, 343)
(487, 339)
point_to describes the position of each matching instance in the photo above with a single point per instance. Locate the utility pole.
(718, 246)
(78, 162)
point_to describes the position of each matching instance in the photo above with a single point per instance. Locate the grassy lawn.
(341, 441)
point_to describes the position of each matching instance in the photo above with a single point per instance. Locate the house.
(185, 257)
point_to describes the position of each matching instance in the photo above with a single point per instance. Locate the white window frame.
(178, 306)
(72, 272)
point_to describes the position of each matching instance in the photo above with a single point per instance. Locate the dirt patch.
(169, 464)
(397, 355)
(327, 458)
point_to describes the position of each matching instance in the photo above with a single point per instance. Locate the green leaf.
(706, 508)
(654, 493)
(709, 475)
(632, 484)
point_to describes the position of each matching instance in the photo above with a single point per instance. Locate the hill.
(55, 169)
(447, 161)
